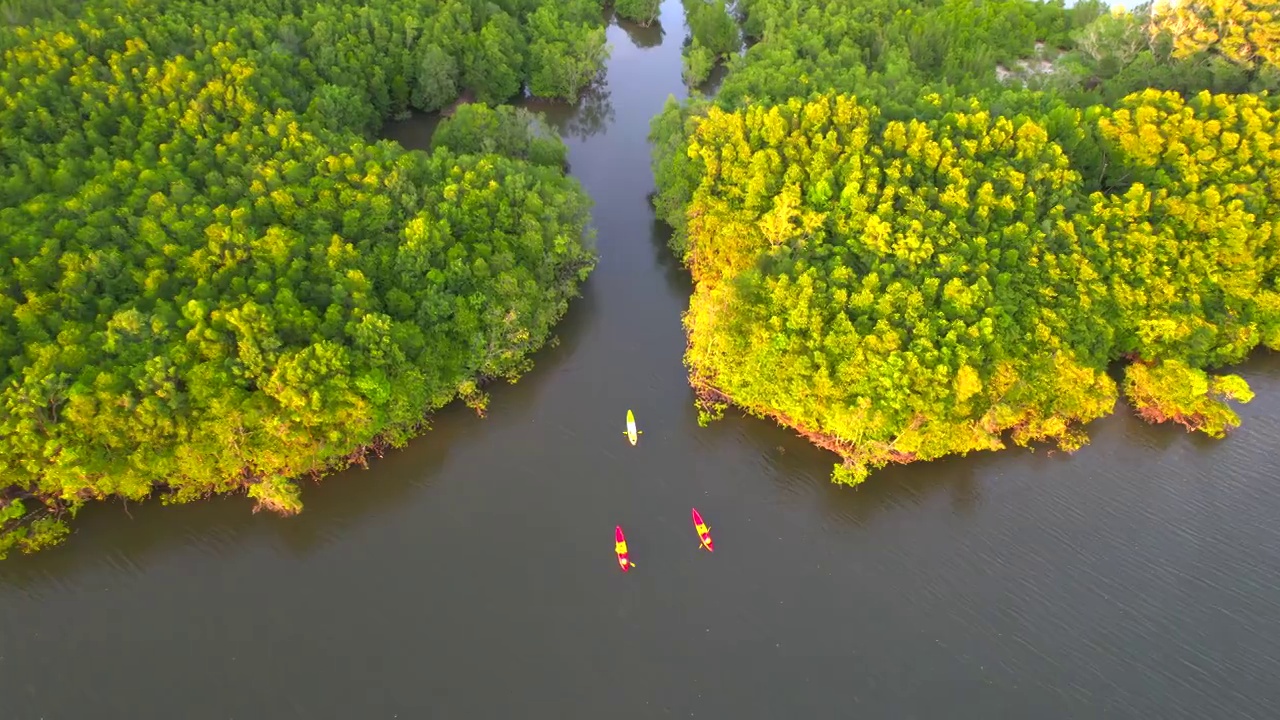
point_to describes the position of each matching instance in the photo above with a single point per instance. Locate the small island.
(904, 249)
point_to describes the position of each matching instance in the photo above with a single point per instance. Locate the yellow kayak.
(631, 433)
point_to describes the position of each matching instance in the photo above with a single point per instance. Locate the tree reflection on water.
(643, 37)
(593, 113)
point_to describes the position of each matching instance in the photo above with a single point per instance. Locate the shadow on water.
(715, 79)
(676, 274)
(572, 328)
(800, 469)
(643, 37)
(1262, 368)
(550, 359)
(413, 132)
(333, 507)
(1263, 364)
(592, 114)
(912, 485)
(961, 479)
(1138, 432)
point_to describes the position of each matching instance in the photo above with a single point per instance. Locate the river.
(471, 575)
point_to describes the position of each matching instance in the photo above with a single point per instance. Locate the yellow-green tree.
(896, 291)
(1246, 32)
(1192, 247)
(901, 291)
(902, 257)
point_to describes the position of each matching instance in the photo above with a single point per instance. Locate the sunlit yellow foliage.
(1246, 32)
(865, 302)
(901, 291)
(1174, 391)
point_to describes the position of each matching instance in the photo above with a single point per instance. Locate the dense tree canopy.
(887, 50)
(1191, 248)
(476, 128)
(713, 37)
(642, 12)
(904, 253)
(1169, 47)
(1245, 32)
(210, 281)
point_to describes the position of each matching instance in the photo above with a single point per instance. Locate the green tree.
(337, 108)
(566, 53)
(476, 128)
(210, 282)
(643, 12)
(437, 79)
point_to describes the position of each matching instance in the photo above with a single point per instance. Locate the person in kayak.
(704, 532)
(620, 548)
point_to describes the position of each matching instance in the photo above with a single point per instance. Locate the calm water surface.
(472, 576)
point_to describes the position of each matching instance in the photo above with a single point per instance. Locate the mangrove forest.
(915, 228)
(919, 229)
(213, 280)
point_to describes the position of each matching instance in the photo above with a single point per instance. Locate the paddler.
(620, 548)
(705, 534)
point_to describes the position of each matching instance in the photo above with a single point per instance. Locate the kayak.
(704, 532)
(631, 432)
(620, 547)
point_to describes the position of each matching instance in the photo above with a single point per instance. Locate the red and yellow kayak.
(620, 547)
(704, 532)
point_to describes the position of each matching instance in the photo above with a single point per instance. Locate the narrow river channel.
(472, 575)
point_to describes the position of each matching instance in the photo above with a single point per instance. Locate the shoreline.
(712, 402)
(59, 511)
